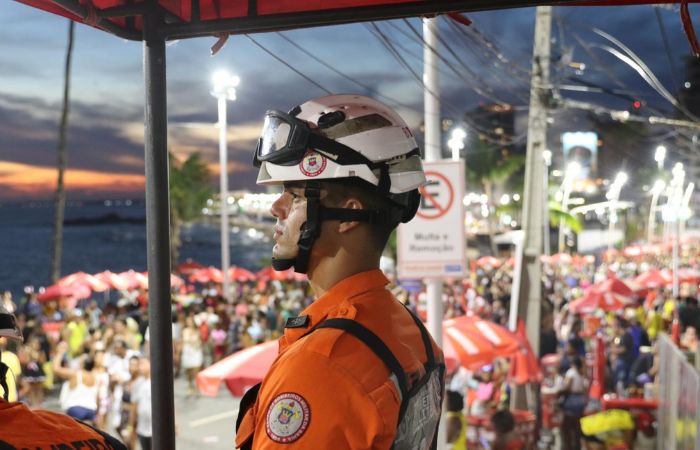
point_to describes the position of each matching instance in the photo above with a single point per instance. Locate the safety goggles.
(285, 140)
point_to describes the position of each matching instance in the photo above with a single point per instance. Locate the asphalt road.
(201, 422)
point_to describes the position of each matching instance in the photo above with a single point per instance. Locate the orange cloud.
(26, 180)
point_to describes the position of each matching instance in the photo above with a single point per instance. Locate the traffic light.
(636, 104)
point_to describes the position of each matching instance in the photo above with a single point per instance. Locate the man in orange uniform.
(356, 370)
(23, 428)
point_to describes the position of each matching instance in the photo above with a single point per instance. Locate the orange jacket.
(21, 427)
(329, 390)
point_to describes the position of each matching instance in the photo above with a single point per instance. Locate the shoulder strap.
(375, 344)
(426, 338)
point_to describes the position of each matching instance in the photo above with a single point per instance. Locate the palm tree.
(488, 164)
(190, 187)
(60, 202)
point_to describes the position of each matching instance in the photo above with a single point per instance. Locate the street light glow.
(659, 186)
(621, 178)
(660, 154)
(224, 85)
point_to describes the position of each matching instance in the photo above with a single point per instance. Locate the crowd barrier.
(679, 399)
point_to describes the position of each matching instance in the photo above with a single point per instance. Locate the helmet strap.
(3, 379)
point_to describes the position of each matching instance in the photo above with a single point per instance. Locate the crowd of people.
(95, 356)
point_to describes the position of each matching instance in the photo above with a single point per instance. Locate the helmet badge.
(313, 164)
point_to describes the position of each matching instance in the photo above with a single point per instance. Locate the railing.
(679, 399)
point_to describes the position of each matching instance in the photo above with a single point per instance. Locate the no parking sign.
(432, 245)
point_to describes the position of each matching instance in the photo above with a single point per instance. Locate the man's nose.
(280, 207)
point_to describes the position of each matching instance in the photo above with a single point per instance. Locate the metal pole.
(157, 233)
(530, 286)
(432, 153)
(431, 99)
(223, 196)
(545, 202)
(565, 208)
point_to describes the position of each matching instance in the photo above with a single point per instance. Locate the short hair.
(339, 190)
(455, 402)
(503, 421)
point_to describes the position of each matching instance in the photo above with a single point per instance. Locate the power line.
(298, 72)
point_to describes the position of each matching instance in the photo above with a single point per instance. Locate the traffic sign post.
(432, 245)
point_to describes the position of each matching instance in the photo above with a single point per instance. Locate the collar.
(336, 302)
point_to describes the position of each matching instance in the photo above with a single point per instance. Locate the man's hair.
(455, 402)
(343, 189)
(503, 421)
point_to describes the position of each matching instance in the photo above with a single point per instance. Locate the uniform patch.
(288, 417)
(313, 164)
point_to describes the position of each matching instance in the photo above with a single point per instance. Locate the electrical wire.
(338, 72)
(664, 38)
(298, 72)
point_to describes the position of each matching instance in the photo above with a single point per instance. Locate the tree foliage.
(190, 187)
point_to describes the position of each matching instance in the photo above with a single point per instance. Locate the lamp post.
(675, 203)
(658, 188)
(572, 170)
(660, 156)
(224, 88)
(456, 142)
(614, 195)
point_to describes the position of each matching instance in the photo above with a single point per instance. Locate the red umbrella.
(240, 274)
(614, 286)
(524, 366)
(134, 279)
(207, 275)
(239, 371)
(113, 280)
(92, 282)
(561, 258)
(268, 274)
(75, 291)
(188, 267)
(593, 300)
(687, 275)
(477, 341)
(653, 279)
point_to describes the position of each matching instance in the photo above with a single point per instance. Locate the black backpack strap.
(375, 344)
(426, 338)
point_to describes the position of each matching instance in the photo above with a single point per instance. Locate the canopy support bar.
(158, 232)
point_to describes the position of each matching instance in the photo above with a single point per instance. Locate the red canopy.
(183, 19)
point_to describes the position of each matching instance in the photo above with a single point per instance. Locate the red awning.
(123, 17)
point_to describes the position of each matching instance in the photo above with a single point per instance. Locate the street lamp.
(456, 142)
(658, 188)
(660, 156)
(614, 195)
(224, 88)
(572, 171)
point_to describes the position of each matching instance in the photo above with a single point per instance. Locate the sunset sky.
(105, 140)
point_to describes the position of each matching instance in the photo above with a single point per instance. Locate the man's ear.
(351, 203)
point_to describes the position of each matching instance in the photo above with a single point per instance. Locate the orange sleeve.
(315, 403)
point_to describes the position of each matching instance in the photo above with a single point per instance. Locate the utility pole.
(530, 286)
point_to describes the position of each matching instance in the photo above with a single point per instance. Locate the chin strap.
(3, 379)
(315, 214)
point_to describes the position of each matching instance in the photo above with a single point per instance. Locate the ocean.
(26, 231)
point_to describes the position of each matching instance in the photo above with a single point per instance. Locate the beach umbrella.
(240, 274)
(75, 291)
(688, 275)
(113, 280)
(594, 300)
(653, 279)
(477, 341)
(238, 371)
(270, 274)
(134, 279)
(488, 262)
(92, 282)
(561, 258)
(524, 366)
(207, 275)
(188, 267)
(614, 286)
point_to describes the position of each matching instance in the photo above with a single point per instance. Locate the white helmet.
(303, 145)
(341, 137)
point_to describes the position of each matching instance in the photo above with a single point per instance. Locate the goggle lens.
(274, 136)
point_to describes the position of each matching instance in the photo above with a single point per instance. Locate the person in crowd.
(574, 398)
(689, 339)
(505, 437)
(622, 352)
(140, 417)
(34, 375)
(80, 393)
(334, 217)
(456, 423)
(192, 352)
(13, 374)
